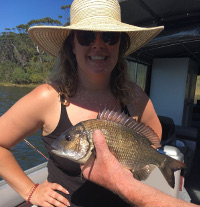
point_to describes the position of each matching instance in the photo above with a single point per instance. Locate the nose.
(98, 42)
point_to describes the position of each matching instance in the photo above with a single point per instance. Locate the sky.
(16, 12)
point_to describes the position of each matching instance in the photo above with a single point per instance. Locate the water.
(25, 155)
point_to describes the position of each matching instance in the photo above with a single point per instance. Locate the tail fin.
(170, 166)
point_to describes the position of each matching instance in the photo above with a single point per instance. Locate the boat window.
(137, 73)
(197, 91)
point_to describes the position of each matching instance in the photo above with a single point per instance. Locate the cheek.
(80, 55)
(78, 52)
(115, 53)
(74, 48)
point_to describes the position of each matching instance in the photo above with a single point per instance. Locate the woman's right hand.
(45, 195)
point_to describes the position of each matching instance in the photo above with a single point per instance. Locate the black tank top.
(68, 174)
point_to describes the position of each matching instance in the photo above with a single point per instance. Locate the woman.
(91, 76)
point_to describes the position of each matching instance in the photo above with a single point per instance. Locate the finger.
(58, 200)
(99, 141)
(58, 187)
(101, 146)
(46, 204)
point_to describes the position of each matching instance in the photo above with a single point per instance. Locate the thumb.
(99, 142)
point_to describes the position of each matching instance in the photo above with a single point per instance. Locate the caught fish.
(130, 141)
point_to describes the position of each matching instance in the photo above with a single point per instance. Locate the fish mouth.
(59, 153)
(55, 146)
(70, 154)
(58, 150)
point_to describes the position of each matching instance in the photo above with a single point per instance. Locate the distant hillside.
(21, 61)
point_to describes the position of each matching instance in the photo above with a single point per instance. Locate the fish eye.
(68, 137)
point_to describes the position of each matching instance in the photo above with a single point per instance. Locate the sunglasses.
(86, 38)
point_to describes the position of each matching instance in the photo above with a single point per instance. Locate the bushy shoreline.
(18, 85)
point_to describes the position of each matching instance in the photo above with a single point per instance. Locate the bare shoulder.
(36, 110)
(43, 93)
(35, 105)
(44, 100)
(137, 101)
(138, 93)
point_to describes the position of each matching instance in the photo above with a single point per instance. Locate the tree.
(67, 18)
(21, 61)
(22, 28)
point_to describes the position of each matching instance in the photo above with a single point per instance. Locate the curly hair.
(65, 76)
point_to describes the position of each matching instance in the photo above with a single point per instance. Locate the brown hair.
(65, 77)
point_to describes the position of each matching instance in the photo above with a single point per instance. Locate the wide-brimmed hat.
(91, 15)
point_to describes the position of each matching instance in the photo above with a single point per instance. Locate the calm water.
(25, 155)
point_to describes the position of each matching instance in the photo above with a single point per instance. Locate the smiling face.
(98, 57)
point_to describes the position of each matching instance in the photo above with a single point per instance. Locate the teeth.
(97, 57)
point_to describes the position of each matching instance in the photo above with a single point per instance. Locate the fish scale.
(130, 141)
(125, 138)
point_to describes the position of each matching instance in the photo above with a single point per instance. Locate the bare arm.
(27, 116)
(108, 172)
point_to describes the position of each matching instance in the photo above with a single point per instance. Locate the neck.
(94, 93)
(96, 83)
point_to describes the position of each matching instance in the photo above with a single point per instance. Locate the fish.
(133, 143)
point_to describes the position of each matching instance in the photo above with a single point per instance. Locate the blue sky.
(16, 12)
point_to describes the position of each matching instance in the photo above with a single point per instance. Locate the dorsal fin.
(123, 119)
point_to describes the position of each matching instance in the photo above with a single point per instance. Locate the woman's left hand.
(45, 195)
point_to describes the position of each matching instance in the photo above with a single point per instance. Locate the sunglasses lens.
(110, 38)
(85, 38)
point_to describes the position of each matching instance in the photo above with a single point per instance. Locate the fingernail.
(98, 131)
(67, 192)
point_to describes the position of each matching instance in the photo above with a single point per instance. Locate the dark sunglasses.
(86, 38)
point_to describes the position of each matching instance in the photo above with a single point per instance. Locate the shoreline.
(18, 85)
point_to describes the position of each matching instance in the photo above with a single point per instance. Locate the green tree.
(19, 76)
(66, 8)
(22, 28)
(21, 61)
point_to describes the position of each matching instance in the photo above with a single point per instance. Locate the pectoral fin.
(143, 174)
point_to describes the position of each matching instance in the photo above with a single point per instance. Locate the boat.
(170, 66)
(10, 198)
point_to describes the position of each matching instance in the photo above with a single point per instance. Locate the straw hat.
(92, 15)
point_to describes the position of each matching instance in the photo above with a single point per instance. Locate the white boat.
(9, 198)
